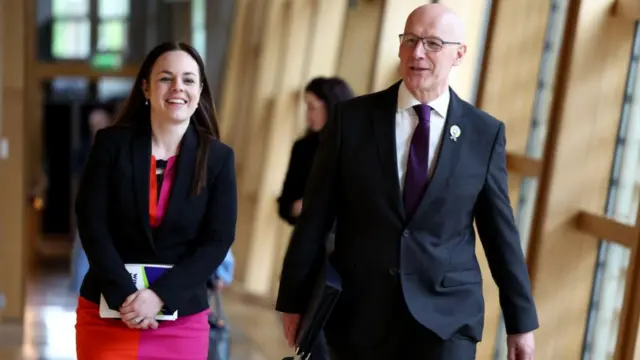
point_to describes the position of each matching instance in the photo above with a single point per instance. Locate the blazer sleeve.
(92, 204)
(291, 181)
(501, 242)
(307, 245)
(214, 240)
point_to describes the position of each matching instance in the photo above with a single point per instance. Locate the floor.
(50, 318)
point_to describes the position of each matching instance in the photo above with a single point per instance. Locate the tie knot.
(423, 111)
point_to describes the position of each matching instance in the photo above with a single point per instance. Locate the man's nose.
(419, 51)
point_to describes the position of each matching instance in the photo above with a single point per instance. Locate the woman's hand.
(140, 308)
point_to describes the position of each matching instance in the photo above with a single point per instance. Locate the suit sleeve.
(307, 245)
(501, 242)
(287, 197)
(92, 204)
(215, 238)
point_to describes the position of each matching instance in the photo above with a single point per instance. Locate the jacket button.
(405, 233)
(393, 271)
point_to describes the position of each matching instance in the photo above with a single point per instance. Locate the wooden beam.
(13, 128)
(628, 9)
(576, 172)
(523, 165)
(507, 90)
(605, 228)
(51, 70)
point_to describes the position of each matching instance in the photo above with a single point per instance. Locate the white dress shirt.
(406, 122)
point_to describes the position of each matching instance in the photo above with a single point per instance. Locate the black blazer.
(112, 208)
(432, 255)
(295, 181)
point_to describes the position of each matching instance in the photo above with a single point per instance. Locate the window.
(73, 22)
(70, 29)
(622, 204)
(199, 26)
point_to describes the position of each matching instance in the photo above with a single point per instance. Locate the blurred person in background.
(321, 95)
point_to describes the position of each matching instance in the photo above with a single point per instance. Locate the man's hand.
(140, 308)
(290, 324)
(521, 346)
(296, 209)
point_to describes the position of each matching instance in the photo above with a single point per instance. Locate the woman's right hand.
(133, 320)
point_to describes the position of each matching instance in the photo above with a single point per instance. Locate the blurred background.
(562, 74)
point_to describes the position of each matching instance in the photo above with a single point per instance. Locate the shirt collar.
(406, 100)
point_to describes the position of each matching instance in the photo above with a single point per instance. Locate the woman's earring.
(146, 102)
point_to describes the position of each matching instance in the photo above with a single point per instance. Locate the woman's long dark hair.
(135, 112)
(331, 90)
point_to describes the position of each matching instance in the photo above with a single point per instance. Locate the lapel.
(449, 152)
(384, 128)
(141, 161)
(183, 177)
(141, 164)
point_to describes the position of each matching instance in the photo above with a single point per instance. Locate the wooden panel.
(359, 45)
(575, 177)
(473, 14)
(629, 9)
(628, 345)
(507, 91)
(13, 219)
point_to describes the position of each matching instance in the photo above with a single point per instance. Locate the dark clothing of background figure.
(302, 155)
(112, 207)
(400, 275)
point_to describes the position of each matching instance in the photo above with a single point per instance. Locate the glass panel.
(70, 8)
(71, 39)
(68, 88)
(114, 8)
(199, 26)
(622, 205)
(112, 35)
(110, 88)
(538, 131)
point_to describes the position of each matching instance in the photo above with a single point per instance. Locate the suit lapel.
(449, 152)
(385, 138)
(141, 162)
(183, 176)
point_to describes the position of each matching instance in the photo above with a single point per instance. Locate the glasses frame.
(424, 40)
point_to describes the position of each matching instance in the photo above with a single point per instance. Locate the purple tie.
(417, 175)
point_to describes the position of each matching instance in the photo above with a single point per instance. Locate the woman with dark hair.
(321, 96)
(158, 195)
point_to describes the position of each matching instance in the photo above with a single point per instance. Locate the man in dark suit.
(405, 172)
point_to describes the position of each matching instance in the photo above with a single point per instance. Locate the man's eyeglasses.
(433, 44)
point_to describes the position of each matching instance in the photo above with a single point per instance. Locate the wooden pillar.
(507, 90)
(578, 159)
(13, 212)
(309, 50)
(359, 45)
(474, 14)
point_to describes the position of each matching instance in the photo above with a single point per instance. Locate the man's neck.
(166, 137)
(428, 95)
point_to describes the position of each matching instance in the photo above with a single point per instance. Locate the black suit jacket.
(302, 155)
(112, 208)
(433, 255)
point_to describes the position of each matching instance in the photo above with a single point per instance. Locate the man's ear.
(460, 53)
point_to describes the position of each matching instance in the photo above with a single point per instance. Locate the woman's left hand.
(143, 304)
